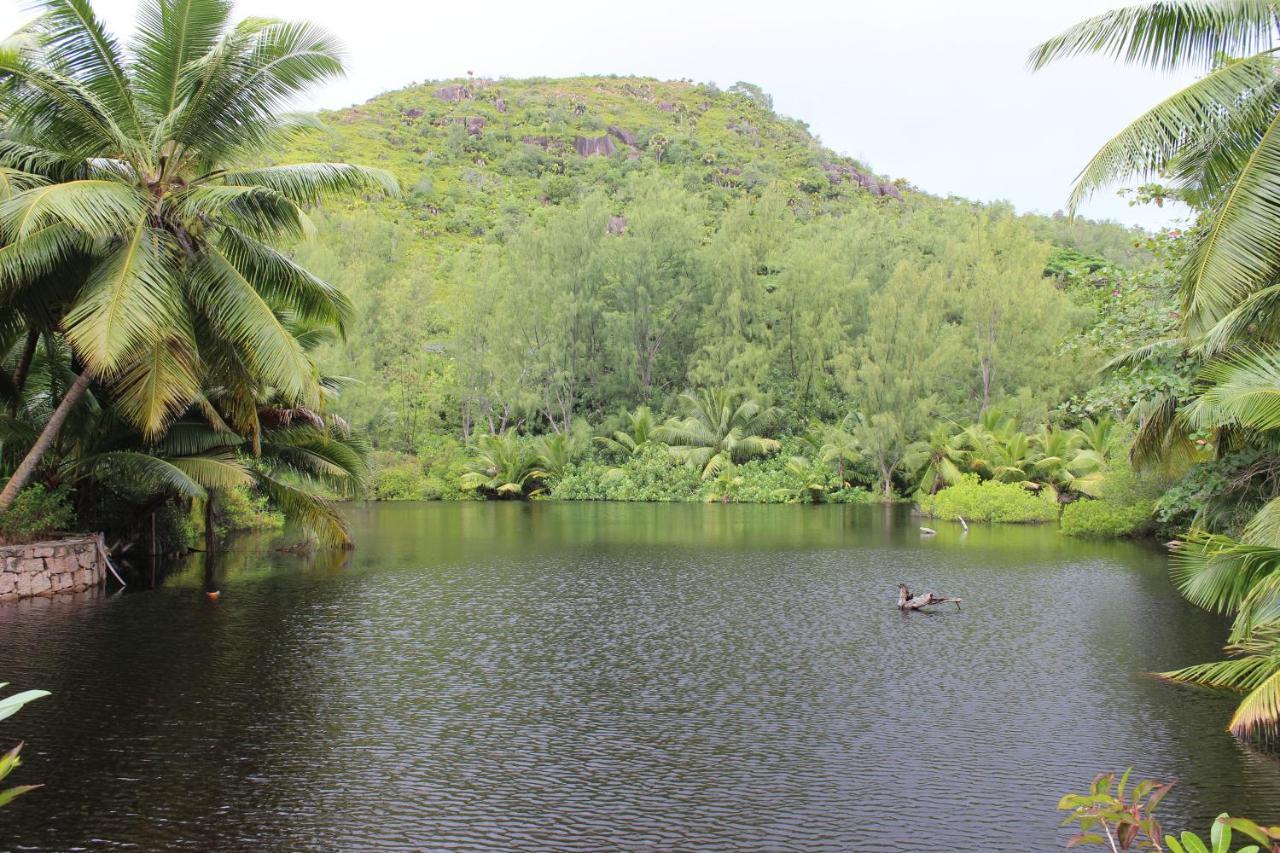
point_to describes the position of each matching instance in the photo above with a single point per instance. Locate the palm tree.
(1060, 464)
(939, 460)
(1218, 140)
(237, 435)
(641, 425)
(129, 168)
(556, 452)
(504, 466)
(811, 481)
(722, 428)
(836, 445)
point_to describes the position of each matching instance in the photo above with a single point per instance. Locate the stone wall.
(48, 568)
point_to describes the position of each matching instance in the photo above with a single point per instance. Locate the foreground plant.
(10, 761)
(1120, 818)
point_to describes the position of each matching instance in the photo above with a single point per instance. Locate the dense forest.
(567, 251)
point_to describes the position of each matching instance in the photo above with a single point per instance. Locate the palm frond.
(240, 85)
(87, 52)
(61, 108)
(255, 209)
(172, 34)
(1241, 389)
(1218, 573)
(186, 476)
(159, 384)
(41, 254)
(13, 181)
(285, 283)
(239, 312)
(189, 438)
(311, 183)
(99, 208)
(1234, 253)
(130, 298)
(306, 509)
(1155, 138)
(1167, 35)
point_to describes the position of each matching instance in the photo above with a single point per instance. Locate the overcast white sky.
(935, 91)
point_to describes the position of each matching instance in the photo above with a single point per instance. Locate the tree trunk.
(24, 366)
(210, 534)
(27, 468)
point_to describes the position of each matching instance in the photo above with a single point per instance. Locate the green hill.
(568, 248)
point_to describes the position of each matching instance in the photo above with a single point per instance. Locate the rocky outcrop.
(617, 225)
(589, 146)
(474, 124)
(500, 105)
(622, 135)
(838, 173)
(454, 94)
(49, 568)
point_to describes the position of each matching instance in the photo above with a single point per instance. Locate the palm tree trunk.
(210, 531)
(27, 467)
(24, 366)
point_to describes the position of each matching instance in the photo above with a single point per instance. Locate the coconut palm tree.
(722, 428)
(297, 457)
(129, 165)
(1218, 141)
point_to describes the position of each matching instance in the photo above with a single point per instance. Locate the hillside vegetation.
(568, 249)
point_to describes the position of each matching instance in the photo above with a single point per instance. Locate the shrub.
(444, 459)
(1102, 519)
(239, 508)
(1123, 507)
(403, 481)
(991, 501)
(650, 474)
(35, 514)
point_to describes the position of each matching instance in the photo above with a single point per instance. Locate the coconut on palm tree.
(133, 176)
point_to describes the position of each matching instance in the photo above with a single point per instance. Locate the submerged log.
(906, 601)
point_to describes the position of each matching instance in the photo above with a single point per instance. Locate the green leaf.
(10, 705)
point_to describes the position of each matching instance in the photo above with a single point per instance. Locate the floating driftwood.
(906, 601)
(928, 531)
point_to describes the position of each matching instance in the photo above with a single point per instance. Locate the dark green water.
(555, 676)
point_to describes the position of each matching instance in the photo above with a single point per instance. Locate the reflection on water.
(618, 676)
